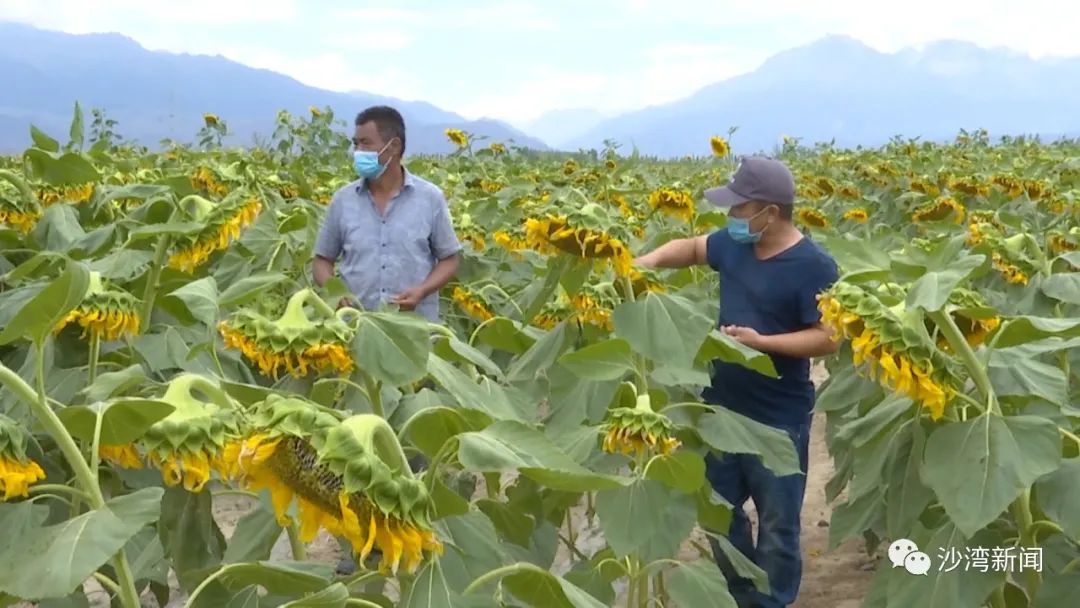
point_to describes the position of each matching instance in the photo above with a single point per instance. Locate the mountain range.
(836, 89)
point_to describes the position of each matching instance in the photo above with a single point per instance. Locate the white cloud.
(82, 17)
(518, 15)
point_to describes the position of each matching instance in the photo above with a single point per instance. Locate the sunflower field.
(163, 347)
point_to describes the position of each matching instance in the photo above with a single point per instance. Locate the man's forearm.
(323, 269)
(678, 253)
(813, 342)
(440, 275)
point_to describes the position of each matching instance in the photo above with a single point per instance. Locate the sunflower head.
(858, 214)
(457, 137)
(587, 233)
(106, 311)
(17, 470)
(472, 303)
(808, 216)
(675, 203)
(941, 209)
(719, 146)
(294, 342)
(222, 224)
(186, 444)
(636, 431)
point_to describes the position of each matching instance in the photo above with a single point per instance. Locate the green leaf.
(1057, 590)
(122, 265)
(429, 429)
(334, 596)
(1064, 286)
(1056, 494)
(392, 347)
(147, 557)
(254, 536)
(510, 336)
(1024, 329)
(1015, 372)
(665, 328)
(728, 431)
(844, 389)
(718, 346)
(430, 589)
(59, 229)
(859, 259)
(907, 496)
(69, 169)
(43, 141)
(647, 518)
(125, 420)
(863, 429)
(289, 578)
(933, 289)
(978, 467)
(744, 567)
(52, 561)
(507, 445)
(170, 228)
(454, 350)
(852, 517)
(489, 398)
(249, 288)
(607, 360)
(700, 583)
(111, 383)
(40, 315)
(190, 535)
(513, 526)
(195, 301)
(682, 470)
(542, 589)
(76, 132)
(540, 356)
(248, 597)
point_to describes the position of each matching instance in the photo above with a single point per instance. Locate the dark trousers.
(778, 500)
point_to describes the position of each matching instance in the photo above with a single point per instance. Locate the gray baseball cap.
(758, 178)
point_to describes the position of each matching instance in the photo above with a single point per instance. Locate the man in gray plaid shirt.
(391, 229)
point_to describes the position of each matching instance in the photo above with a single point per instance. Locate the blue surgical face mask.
(367, 164)
(739, 229)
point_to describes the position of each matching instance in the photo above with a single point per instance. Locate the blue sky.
(516, 59)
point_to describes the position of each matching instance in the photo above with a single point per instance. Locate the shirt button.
(384, 244)
(384, 267)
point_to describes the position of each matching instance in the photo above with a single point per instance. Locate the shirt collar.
(410, 181)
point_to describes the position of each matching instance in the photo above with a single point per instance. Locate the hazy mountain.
(154, 95)
(839, 89)
(561, 126)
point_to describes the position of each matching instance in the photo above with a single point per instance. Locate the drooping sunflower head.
(808, 216)
(858, 214)
(1009, 184)
(223, 224)
(106, 311)
(925, 186)
(17, 470)
(941, 209)
(1060, 243)
(617, 200)
(674, 203)
(457, 137)
(1011, 272)
(969, 185)
(208, 181)
(892, 342)
(594, 303)
(294, 342)
(587, 233)
(719, 146)
(472, 303)
(211, 120)
(972, 315)
(187, 444)
(18, 207)
(511, 240)
(497, 148)
(74, 194)
(637, 431)
(644, 280)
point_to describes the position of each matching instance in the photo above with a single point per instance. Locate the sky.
(516, 59)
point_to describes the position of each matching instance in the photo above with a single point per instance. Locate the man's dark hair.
(388, 122)
(787, 212)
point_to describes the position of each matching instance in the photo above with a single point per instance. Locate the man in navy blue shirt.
(770, 274)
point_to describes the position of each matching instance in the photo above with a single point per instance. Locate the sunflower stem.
(86, 479)
(55, 487)
(1021, 509)
(963, 350)
(107, 583)
(374, 393)
(299, 552)
(95, 448)
(639, 361)
(1071, 436)
(161, 250)
(95, 352)
(206, 583)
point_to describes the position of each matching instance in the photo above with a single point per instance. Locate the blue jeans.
(778, 500)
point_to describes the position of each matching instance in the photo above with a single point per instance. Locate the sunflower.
(315, 112)
(293, 342)
(610, 164)
(204, 180)
(337, 473)
(471, 303)
(809, 216)
(674, 203)
(925, 187)
(50, 195)
(848, 191)
(719, 146)
(1060, 244)
(1036, 189)
(508, 241)
(618, 200)
(969, 186)
(457, 137)
(939, 210)
(579, 234)
(1012, 186)
(124, 456)
(211, 120)
(223, 225)
(906, 365)
(570, 166)
(635, 431)
(17, 470)
(106, 312)
(856, 215)
(643, 281)
(187, 444)
(1012, 273)
(23, 221)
